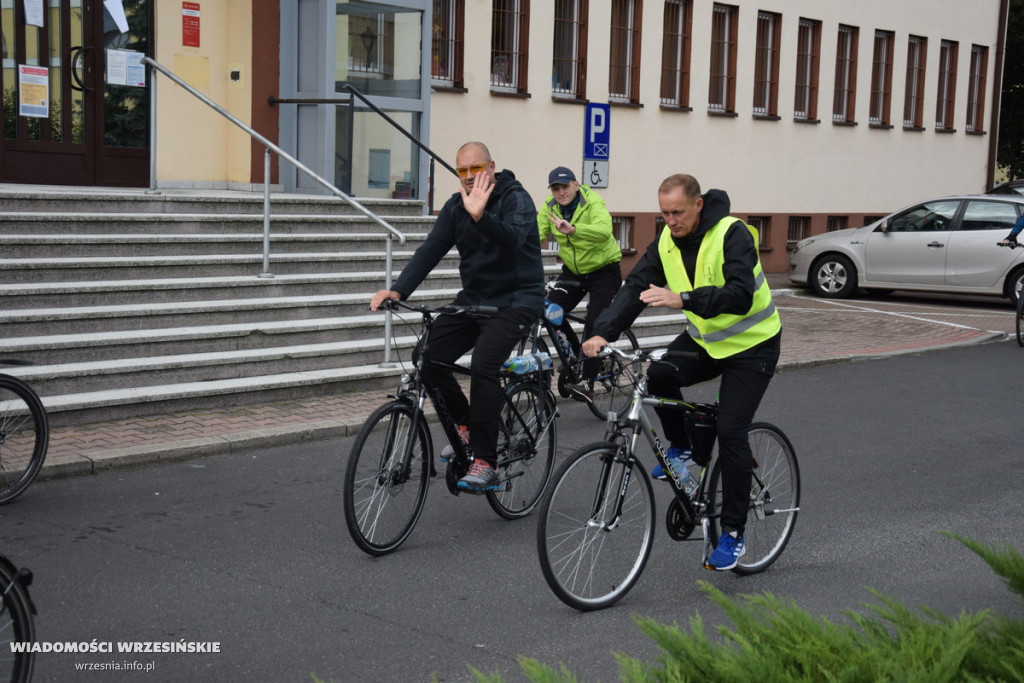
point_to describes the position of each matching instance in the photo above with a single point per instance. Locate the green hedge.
(772, 639)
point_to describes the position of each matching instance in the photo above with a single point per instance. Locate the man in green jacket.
(581, 225)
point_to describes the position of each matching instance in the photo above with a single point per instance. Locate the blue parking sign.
(597, 131)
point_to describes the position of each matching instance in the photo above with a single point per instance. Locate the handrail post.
(430, 189)
(388, 341)
(266, 214)
(152, 132)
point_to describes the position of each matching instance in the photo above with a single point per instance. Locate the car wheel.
(833, 276)
(1014, 284)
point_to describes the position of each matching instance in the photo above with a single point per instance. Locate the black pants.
(602, 285)
(745, 377)
(494, 338)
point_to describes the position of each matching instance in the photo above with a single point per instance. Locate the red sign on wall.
(190, 24)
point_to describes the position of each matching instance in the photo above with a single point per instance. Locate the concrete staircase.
(132, 304)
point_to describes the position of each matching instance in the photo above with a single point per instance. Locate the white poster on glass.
(33, 91)
(34, 12)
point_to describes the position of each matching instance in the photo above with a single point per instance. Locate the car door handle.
(933, 243)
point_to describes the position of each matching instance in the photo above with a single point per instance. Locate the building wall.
(197, 147)
(773, 168)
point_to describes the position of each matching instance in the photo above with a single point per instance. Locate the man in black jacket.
(492, 221)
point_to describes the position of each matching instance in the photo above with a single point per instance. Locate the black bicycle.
(613, 384)
(392, 458)
(17, 629)
(596, 525)
(24, 435)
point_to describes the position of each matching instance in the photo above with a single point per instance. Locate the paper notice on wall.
(116, 10)
(33, 91)
(34, 12)
(125, 67)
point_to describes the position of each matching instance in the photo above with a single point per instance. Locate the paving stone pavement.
(814, 331)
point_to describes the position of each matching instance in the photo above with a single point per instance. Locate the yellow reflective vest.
(726, 334)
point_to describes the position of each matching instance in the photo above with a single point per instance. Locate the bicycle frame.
(415, 386)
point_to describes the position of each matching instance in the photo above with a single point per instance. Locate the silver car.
(948, 244)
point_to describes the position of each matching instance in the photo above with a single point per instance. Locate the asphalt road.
(250, 551)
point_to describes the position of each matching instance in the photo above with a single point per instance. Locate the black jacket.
(500, 255)
(736, 296)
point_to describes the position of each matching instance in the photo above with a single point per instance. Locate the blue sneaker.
(727, 554)
(481, 478)
(677, 458)
(447, 453)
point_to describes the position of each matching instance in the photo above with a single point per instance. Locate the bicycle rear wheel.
(16, 626)
(1020, 319)
(385, 492)
(592, 552)
(24, 437)
(526, 447)
(774, 499)
(613, 386)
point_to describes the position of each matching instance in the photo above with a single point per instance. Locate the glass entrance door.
(75, 106)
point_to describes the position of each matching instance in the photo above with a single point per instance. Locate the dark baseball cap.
(561, 176)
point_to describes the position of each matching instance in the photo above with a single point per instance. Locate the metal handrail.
(393, 233)
(434, 156)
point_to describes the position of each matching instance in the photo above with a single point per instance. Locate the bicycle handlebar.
(451, 309)
(653, 355)
(561, 285)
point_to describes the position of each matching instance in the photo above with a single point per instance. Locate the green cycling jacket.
(594, 245)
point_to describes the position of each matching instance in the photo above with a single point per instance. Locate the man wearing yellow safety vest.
(706, 263)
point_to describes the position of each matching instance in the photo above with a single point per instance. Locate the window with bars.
(946, 98)
(763, 224)
(797, 230)
(510, 28)
(722, 90)
(834, 223)
(845, 99)
(766, 64)
(808, 58)
(675, 53)
(624, 67)
(976, 89)
(913, 99)
(622, 226)
(447, 42)
(881, 79)
(568, 71)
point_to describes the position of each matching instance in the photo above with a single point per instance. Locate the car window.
(984, 215)
(927, 217)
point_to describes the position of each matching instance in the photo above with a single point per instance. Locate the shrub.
(781, 642)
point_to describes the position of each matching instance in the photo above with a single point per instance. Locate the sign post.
(596, 144)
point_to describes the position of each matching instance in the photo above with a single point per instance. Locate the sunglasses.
(475, 168)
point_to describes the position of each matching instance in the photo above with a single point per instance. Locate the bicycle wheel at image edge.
(613, 386)
(591, 551)
(24, 437)
(774, 499)
(383, 497)
(1020, 319)
(527, 442)
(16, 626)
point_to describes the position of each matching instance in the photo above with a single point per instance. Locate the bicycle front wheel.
(596, 527)
(1020, 319)
(24, 437)
(386, 479)
(613, 386)
(16, 626)
(526, 448)
(774, 499)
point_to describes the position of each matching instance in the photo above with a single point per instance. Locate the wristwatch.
(685, 297)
